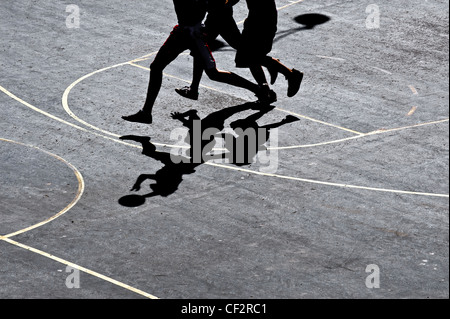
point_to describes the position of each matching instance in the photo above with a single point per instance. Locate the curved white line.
(311, 181)
(79, 194)
(80, 191)
(271, 175)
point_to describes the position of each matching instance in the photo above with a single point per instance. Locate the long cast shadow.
(170, 176)
(308, 21)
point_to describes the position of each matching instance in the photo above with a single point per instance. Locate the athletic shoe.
(273, 74)
(294, 81)
(187, 93)
(266, 95)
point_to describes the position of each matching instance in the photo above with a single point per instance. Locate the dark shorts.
(256, 42)
(180, 40)
(222, 23)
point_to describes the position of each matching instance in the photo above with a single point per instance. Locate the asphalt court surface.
(361, 178)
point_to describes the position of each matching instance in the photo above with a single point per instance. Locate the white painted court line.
(295, 178)
(79, 193)
(80, 268)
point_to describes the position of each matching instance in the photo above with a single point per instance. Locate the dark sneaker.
(187, 93)
(273, 73)
(266, 95)
(139, 117)
(294, 81)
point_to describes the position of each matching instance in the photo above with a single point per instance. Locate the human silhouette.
(220, 21)
(188, 34)
(258, 35)
(170, 176)
(251, 137)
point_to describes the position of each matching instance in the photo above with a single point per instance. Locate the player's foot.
(139, 117)
(273, 71)
(295, 80)
(188, 93)
(266, 95)
(139, 139)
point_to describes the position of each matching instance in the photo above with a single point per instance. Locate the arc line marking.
(279, 109)
(79, 194)
(271, 175)
(14, 97)
(80, 191)
(382, 131)
(65, 104)
(320, 122)
(145, 57)
(331, 184)
(148, 56)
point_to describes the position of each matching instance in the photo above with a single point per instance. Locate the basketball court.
(360, 185)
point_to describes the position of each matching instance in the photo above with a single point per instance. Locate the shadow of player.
(249, 137)
(170, 176)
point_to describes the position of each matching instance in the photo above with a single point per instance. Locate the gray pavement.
(360, 189)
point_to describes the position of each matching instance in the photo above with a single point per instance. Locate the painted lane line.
(80, 268)
(279, 109)
(382, 70)
(177, 78)
(51, 116)
(377, 132)
(414, 90)
(320, 122)
(331, 58)
(310, 181)
(290, 4)
(80, 191)
(412, 111)
(65, 104)
(65, 98)
(300, 179)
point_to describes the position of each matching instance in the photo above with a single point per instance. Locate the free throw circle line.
(259, 173)
(79, 194)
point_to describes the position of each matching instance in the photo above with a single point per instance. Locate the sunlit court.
(301, 152)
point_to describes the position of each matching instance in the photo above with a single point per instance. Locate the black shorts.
(182, 39)
(221, 22)
(257, 40)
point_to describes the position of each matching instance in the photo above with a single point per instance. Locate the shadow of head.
(132, 201)
(311, 20)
